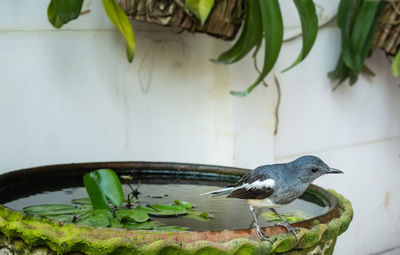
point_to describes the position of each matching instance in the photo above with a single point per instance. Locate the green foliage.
(358, 21)
(60, 12)
(200, 8)
(201, 216)
(54, 209)
(64, 217)
(95, 218)
(396, 65)
(103, 187)
(309, 26)
(131, 215)
(121, 21)
(263, 21)
(249, 37)
(292, 217)
(85, 201)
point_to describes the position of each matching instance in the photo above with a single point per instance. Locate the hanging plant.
(262, 24)
(358, 22)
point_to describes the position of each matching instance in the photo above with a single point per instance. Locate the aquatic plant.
(106, 206)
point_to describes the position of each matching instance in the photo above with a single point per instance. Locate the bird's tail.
(219, 192)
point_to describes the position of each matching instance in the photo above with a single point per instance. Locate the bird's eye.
(314, 170)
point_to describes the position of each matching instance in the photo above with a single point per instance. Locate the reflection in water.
(227, 213)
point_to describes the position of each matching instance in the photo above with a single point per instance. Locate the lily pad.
(99, 220)
(183, 204)
(64, 218)
(85, 201)
(131, 215)
(201, 216)
(114, 223)
(291, 218)
(54, 209)
(142, 226)
(107, 214)
(167, 210)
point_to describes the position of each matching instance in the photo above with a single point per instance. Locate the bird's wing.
(255, 193)
(253, 185)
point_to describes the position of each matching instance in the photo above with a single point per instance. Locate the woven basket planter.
(223, 22)
(387, 36)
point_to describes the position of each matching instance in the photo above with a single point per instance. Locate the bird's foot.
(289, 228)
(260, 234)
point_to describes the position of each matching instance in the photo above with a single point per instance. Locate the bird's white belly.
(262, 203)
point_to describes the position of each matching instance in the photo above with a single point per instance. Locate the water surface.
(227, 213)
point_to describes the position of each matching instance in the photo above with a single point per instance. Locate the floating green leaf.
(167, 210)
(52, 209)
(121, 21)
(272, 27)
(114, 223)
(60, 12)
(309, 26)
(142, 226)
(201, 216)
(290, 217)
(99, 220)
(183, 204)
(200, 8)
(101, 185)
(396, 65)
(95, 212)
(82, 201)
(131, 215)
(96, 218)
(162, 210)
(64, 218)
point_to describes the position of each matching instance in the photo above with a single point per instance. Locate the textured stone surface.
(25, 234)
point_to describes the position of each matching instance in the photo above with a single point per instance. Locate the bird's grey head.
(309, 168)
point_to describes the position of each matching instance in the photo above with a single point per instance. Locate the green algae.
(25, 233)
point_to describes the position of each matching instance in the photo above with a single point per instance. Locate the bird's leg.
(285, 223)
(260, 233)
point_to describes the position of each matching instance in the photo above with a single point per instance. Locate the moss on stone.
(25, 233)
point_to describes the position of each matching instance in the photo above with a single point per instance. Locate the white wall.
(69, 95)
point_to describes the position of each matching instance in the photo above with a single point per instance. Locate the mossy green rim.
(65, 238)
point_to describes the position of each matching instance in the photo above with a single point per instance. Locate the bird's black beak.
(334, 171)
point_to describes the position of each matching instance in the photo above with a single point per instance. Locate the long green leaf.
(309, 26)
(273, 36)
(396, 65)
(200, 8)
(228, 56)
(101, 185)
(121, 21)
(94, 191)
(363, 27)
(346, 12)
(250, 36)
(60, 12)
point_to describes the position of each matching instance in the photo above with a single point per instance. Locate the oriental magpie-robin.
(271, 186)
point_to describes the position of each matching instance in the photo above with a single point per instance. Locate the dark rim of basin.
(39, 178)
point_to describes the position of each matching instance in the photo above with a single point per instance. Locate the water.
(227, 213)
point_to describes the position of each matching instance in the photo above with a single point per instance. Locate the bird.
(275, 185)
